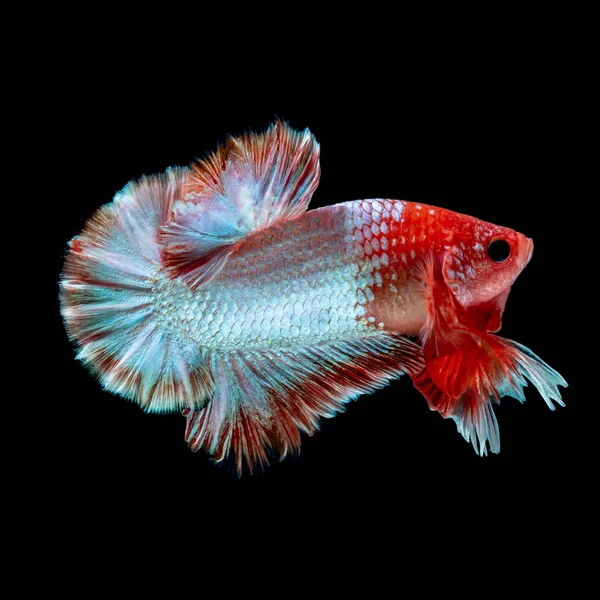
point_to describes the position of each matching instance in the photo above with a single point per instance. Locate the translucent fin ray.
(462, 385)
(247, 185)
(476, 422)
(467, 371)
(107, 301)
(264, 400)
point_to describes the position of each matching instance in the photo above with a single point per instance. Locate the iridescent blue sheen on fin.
(110, 301)
(263, 400)
(248, 184)
(527, 365)
(476, 421)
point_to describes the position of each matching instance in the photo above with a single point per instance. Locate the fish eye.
(498, 250)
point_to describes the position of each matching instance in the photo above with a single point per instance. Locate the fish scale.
(300, 283)
(278, 290)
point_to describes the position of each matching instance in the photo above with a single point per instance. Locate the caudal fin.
(108, 301)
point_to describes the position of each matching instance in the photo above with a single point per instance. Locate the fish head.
(479, 267)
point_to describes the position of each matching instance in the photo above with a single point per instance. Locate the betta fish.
(212, 291)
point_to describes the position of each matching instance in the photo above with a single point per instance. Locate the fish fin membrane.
(248, 184)
(464, 381)
(477, 423)
(264, 400)
(474, 417)
(107, 300)
(468, 370)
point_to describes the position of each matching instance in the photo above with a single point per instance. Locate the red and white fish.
(212, 291)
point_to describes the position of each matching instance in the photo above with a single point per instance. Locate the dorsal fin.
(248, 184)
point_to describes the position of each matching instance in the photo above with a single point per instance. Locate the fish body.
(334, 272)
(213, 291)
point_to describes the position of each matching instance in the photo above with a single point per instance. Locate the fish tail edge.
(108, 301)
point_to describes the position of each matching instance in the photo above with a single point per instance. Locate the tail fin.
(107, 301)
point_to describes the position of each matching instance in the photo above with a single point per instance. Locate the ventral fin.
(467, 369)
(474, 416)
(464, 384)
(248, 184)
(264, 400)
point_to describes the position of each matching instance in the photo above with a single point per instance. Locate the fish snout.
(529, 250)
(525, 250)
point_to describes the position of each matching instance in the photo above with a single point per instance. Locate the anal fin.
(264, 400)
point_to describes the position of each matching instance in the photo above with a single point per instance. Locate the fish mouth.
(526, 251)
(529, 250)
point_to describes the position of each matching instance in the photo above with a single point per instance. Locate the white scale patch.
(296, 294)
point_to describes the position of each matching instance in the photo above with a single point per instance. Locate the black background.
(482, 154)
